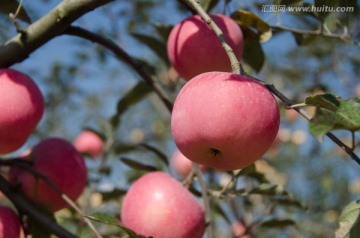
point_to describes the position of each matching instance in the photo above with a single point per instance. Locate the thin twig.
(343, 37)
(289, 103)
(24, 206)
(19, 163)
(121, 54)
(204, 195)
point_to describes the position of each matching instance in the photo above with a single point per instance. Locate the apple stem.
(235, 64)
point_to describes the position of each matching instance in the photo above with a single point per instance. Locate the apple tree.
(209, 118)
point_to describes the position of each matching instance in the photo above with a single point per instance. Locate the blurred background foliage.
(300, 186)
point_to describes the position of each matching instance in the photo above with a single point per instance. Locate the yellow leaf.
(249, 19)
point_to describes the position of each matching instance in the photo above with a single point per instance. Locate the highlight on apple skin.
(193, 48)
(89, 143)
(62, 164)
(223, 120)
(21, 107)
(158, 205)
(9, 223)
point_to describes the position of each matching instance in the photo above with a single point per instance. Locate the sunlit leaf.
(110, 220)
(10, 6)
(137, 165)
(333, 113)
(135, 95)
(249, 19)
(349, 226)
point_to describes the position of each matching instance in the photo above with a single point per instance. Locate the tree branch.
(43, 30)
(26, 207)
(343, 37)
(20, 163)
(121, 54)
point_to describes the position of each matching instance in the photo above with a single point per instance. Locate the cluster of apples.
(22, 107)
(220, 120)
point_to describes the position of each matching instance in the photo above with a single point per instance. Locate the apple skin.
(238, 228)
(193, 48)
(62, 164)
(158, 205)
(224, 121)
(9, 223)
(21, 107)
(182, 165)
(88, 142)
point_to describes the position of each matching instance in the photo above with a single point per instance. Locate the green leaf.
(333, 113)
(155, 44)
(163, 30)
(249, 19)
(156, 151)
(253, 54)
(277, 223)
(349, 226)
(137, 165)
(268, 189)
(288, 202)
(122, 148)
(112, 195)
(135, 95)
(10, 6)
(219, 210)
(110, 220)
(327, 101)
(207, 5)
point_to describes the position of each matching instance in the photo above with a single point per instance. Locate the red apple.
(9, 223)
(182, 165)
(193, 48)
(223, 120)
(62, 164)
(238, 229)
(158, 205)
(89, 143)
(21, 107)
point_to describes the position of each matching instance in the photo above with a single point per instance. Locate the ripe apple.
(193, 48)
(89, 143)
(223, 120)
(62, 164)
(9, 223)
(21, 107)
(182, 165)
(158, 205)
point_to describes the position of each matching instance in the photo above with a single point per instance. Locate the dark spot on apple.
(214, 152)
